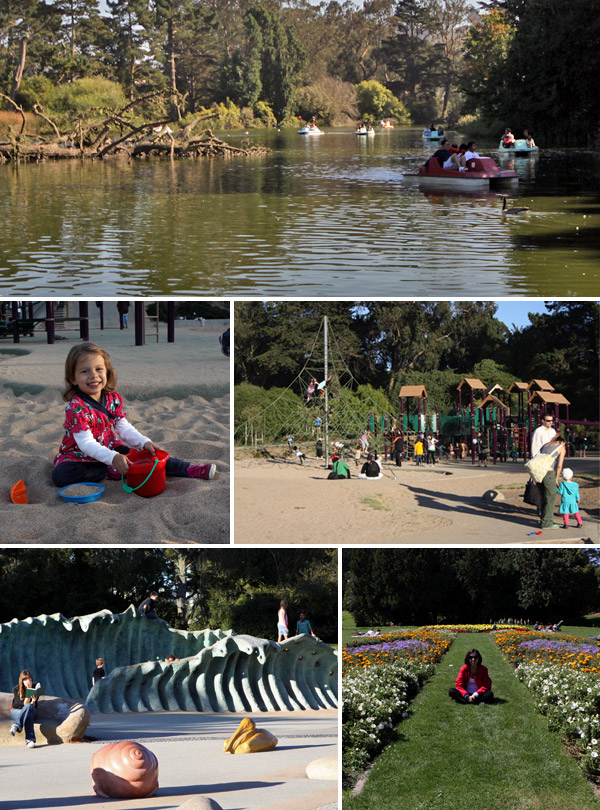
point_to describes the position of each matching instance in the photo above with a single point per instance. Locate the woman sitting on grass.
(473, 684)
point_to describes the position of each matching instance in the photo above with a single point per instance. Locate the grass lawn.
(490, 757)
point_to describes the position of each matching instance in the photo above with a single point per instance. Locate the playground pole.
(84, 320)
(472, 427)
(50, 322)
(15, 315)
(326, 360)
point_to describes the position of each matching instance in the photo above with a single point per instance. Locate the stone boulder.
(59, 720)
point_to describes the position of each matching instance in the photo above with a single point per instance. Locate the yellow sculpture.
(248, 739)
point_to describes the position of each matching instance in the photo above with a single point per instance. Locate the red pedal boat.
(480, 172)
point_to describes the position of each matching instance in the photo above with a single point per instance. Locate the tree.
(24, 28)
(84, 38)
(540, 85)
(130, 24)
(241, 73)
(376, 101)
(280, 54)
(487, 43)
(422, 586)
(561, 346)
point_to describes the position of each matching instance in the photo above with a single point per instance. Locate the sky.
(515, 312)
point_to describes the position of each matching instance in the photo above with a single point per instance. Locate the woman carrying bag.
(545, 468)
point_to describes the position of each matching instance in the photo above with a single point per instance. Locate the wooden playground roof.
(496, 387)
(548, 398)
(518, 386)
(540, 385)
(413, 391)
(492, 400)
(473, 383)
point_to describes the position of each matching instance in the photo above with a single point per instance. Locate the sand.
(177, 394)
(279, 501)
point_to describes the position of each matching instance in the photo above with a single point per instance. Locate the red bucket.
(144, 465)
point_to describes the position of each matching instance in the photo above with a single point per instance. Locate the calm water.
(320, 216)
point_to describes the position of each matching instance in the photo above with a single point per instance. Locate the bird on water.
(518, 210)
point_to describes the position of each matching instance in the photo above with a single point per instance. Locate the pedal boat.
(481, 173)
(432, 135)
(520, 148)
(364, 131)
(310, 131)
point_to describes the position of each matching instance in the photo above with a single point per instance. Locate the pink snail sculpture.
(125, 770)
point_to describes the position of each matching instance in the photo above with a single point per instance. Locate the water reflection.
(319, 216)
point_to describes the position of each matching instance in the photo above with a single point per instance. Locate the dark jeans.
(24, 719)
(77, 472)
(479, 698)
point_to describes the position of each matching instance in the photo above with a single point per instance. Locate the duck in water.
(519, 210)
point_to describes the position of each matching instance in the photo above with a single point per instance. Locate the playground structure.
(19, 320)
(504, 426)
(501, 420)
(215, 671)
(321, 402)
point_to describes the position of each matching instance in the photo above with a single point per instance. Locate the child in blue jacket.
(569, 498)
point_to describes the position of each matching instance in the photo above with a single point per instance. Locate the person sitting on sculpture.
(303, 626)
(148, 608)
(99, 672)
(23, 710)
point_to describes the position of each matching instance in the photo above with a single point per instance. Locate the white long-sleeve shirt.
(541, 436)
(88, 445)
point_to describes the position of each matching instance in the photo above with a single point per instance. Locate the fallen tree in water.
(102, 134)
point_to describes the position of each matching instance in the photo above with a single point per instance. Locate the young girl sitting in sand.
(95, 422)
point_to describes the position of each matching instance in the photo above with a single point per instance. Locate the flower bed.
(380, 678)
(552, 648)
(474, 628)
(563, 672)
(419, 646)
(571, 702)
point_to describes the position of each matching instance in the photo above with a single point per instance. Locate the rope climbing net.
(321, 394)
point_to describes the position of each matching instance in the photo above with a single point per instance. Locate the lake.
(319, 216)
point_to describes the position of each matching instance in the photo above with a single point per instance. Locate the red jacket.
(482, 679)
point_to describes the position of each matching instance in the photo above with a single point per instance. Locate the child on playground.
(299, 455)
(419, 451)
(569, 498)
(96, 426)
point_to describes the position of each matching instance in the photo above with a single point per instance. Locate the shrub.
(36, 89)
(227, 115)
(377, 101)
(264, 115)
(84, 94)
(192, 309)
(331, 101)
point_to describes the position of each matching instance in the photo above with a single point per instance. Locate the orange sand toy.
(18, 492)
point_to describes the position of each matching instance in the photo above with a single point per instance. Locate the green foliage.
(192, 310)
(264, 114)
(376, 100)
(227, 115)
(478, 585)
(271, 412)
(82, 95)
(331, 101)
(255, 613)
(521, 70)
(208, 583)
(36, 89)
